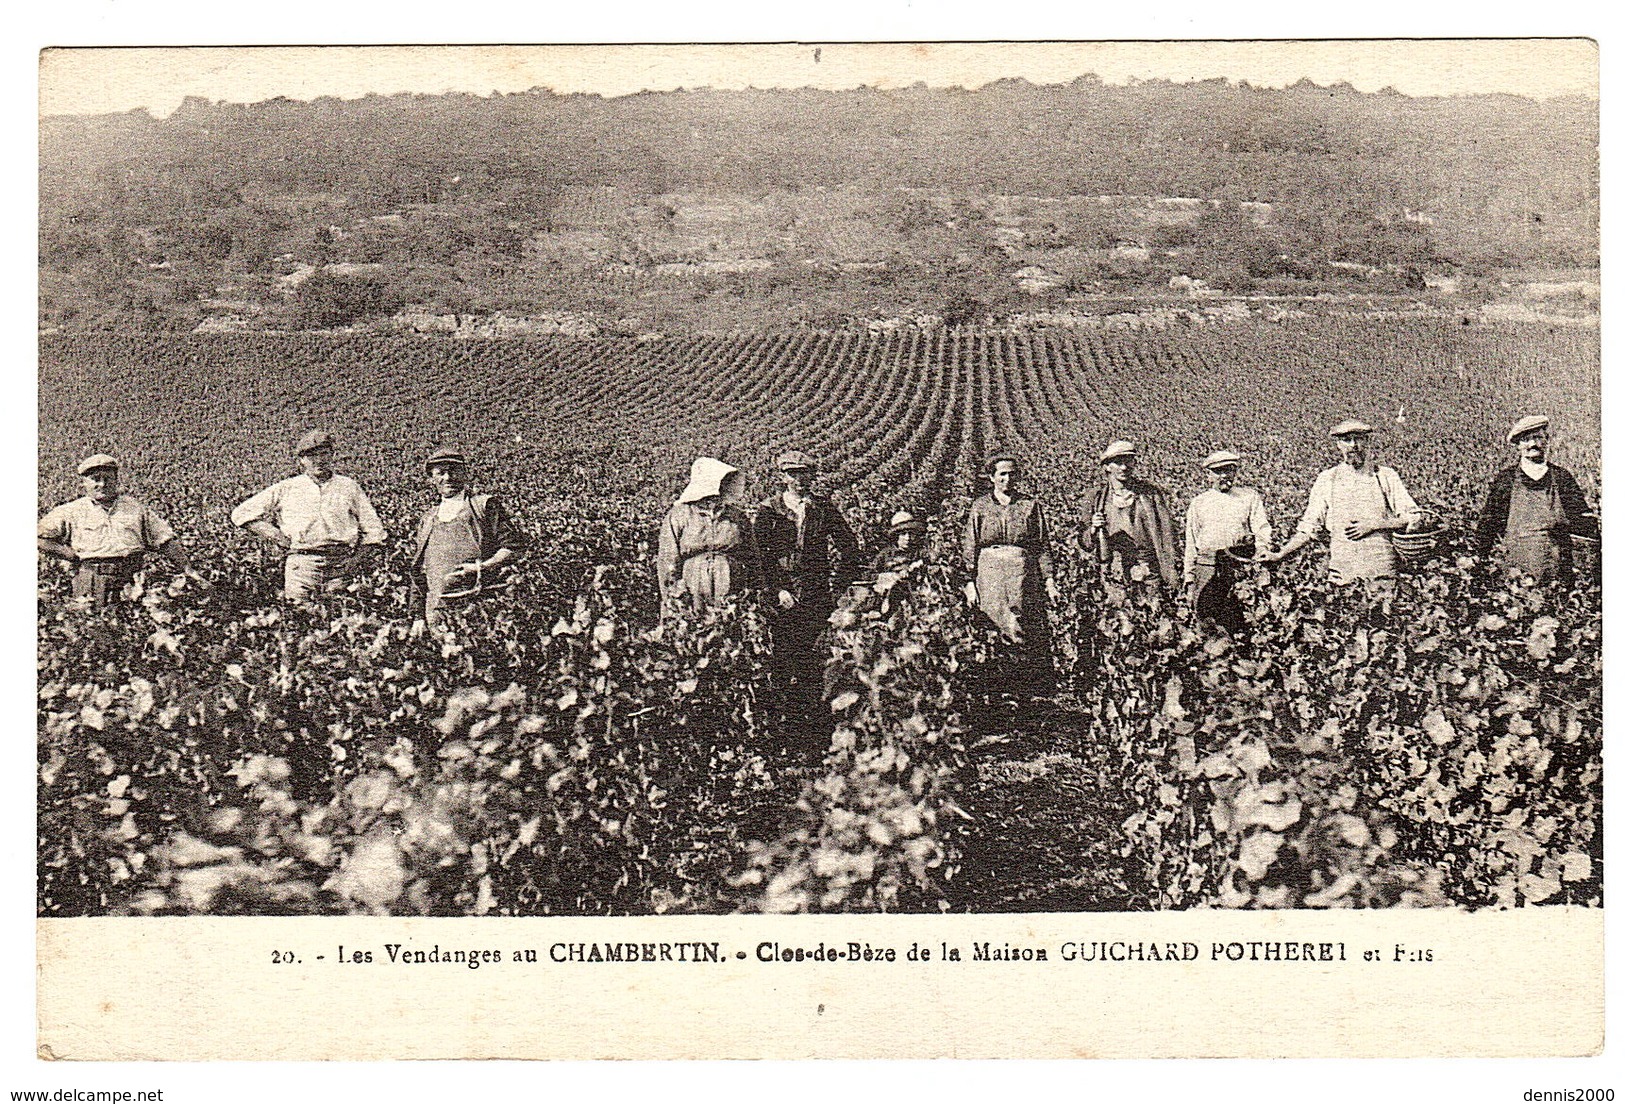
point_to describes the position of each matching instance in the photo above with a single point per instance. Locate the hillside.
(706, 210)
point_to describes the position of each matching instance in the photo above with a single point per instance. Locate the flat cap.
(310, 442)
(903, 522)
(996, 458)
(99, 460)
(1527, 425)
(446, 456)
(795, 461)
(1117, 449)
(1349, 428)
(1222, 459)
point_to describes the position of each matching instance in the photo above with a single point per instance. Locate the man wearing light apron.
(1358, 504)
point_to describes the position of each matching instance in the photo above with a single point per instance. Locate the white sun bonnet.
(705, 478)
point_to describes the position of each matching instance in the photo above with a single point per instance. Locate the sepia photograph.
(1109, 507)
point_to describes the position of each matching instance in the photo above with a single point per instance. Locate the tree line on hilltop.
(143, 218)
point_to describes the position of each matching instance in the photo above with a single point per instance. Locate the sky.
(93, 81)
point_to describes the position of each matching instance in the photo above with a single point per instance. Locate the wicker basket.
(1414, 546)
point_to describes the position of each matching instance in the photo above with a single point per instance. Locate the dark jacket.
(1153, 529)
(493, 526)
(1577, 519)
(816, 568)
(987, 524)
(892, 558)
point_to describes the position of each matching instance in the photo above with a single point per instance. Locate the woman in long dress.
(707, 545)
(1006, 550)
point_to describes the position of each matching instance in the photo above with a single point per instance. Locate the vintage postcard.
(939, 550)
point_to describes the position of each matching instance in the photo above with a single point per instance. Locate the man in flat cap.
(319, 519)
(462, 541)
(1358, 502)
(105, 534)
(809, 558)
(1224, 524)
(1534, 509)
(1132, 523)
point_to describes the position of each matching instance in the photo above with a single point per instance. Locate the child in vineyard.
(907, 535)
(1534, 510)
(1132, 523)
(1360, 504)
(1224, 524)
(105, 533)
(707, 545)
(461, 540)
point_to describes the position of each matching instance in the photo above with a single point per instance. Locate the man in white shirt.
(321, 520)
(1222, 525)
(1358, 503)
(106, 534)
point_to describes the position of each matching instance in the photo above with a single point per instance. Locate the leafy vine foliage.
(878, 829)
(567, 748)
(1440, 746)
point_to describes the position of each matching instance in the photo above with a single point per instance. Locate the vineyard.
(566, 750)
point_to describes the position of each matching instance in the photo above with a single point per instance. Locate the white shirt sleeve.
(1399, 499)
(1313, 522)
(55, 526)
(259, 507)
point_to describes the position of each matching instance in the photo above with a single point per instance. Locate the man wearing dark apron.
(1534, 510)
(1224, 524)
(463, 541)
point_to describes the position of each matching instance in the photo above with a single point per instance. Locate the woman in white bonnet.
(707, 545)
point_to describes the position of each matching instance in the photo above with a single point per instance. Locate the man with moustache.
(1534, 510)
(1133, 522)
(463, 541)
(1358, 503)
